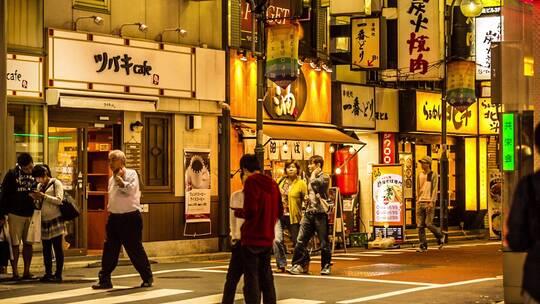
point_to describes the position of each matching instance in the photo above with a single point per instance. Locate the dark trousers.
(293, 228)
(124, 230)
(311, 223)
(48, 246)
(424, 218)
(234, 273)
(258, 275)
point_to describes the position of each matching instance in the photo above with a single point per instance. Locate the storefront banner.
(494, 203)
(285, 150)
(197, 185)
(388, 148)
(282, 54)
(388, 204)
(488, 30)
(308, 148)
(461, 84)
(357, 106)
(387, 110)
(24, 75)
(429, 115)
(419, 40)
(273, 150)
(296, 150)
(366, 43)
(406, 160)
(489, 117)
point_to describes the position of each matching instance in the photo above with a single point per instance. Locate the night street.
(460, 273)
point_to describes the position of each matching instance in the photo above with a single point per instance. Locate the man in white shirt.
(427, 187)
(124, 225)
(235, 271)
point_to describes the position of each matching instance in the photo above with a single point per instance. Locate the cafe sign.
(429, 115)
(24, 76)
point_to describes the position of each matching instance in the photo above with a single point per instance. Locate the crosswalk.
(124, 294)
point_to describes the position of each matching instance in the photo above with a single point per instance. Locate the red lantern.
(347, 179)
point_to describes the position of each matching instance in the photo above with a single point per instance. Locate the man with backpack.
(427, 183)
(17, 204)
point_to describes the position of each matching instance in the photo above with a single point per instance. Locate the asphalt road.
(469, 273)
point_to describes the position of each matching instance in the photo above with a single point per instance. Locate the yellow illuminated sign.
(528, 66)
(492, 3)
(483, 173)
(429, 115)
(470, 174)
(489, 117)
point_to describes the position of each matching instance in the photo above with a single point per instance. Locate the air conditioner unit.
(193, 122)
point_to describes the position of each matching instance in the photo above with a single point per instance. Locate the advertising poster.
(282, 54)
(494, 203)
(388, 203)
(197, 185)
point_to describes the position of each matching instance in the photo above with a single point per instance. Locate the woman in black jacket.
(524, 229)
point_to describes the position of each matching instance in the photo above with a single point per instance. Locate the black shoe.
(102, 285)
(47, 278)
(147, 283)
(56, 279)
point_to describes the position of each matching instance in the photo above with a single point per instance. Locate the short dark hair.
(317, 159)
(295, 163)
(24, 159)
(537, 137)
(41, 171)
(250, 163)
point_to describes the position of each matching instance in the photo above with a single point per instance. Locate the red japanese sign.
(418, 39)
(388, 148)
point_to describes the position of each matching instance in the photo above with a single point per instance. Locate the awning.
(101, 101)
(305, 133)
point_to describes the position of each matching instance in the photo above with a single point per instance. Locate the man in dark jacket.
(19, 207)
(315, 219)
(262, 208)
(523, 233)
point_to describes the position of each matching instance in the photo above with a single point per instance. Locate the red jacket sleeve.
(250, 199)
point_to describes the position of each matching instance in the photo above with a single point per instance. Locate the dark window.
(157, 154)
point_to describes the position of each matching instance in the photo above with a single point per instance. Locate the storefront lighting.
(180, 31)
(309, 149)
(352, 150)
(332, 149)
(40, 136)
(97, 20)
(136, 126)
(471, 8)
(141, 27)
(338, 171)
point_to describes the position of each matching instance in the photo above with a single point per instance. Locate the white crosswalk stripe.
(58, 295)
(212, 299)
(298, 301)
(138, 296)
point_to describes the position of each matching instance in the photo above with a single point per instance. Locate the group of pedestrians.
(28, 188)
(259, 214)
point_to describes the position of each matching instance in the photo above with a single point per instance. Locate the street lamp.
(471, 8)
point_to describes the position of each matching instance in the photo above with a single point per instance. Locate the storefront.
(472, 153)
(158, 103)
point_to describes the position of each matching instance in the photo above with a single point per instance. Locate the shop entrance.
(78, 157)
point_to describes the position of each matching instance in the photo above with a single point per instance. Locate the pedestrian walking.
(427, 183)
(293, 191)
(523, 227)
(315, 220)
(235, 270)
(124, 225)
(262, 208)
(19, 207)
(50, 194)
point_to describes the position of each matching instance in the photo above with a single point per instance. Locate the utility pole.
(3, 88)
(258, 19)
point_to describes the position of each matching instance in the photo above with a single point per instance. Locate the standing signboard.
(197, 188)
(388, 204)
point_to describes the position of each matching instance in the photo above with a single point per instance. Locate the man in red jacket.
(262, 208)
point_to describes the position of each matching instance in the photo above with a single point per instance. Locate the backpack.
(69, 208)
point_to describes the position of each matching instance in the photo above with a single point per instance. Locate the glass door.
(67, 160)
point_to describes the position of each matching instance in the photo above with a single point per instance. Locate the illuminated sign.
(489, 117)
(388, 148)
(508, 142)
(429, 115)
(471, 174)
(488, 30)
(366, 43)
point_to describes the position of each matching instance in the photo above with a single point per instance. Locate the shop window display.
(26, 124)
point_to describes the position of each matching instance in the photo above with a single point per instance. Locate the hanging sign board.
(388, 203)
(367, 35)
(461, 86)
(488, 30)
(24, 76)
(508, 142)
(355, 106)
(282, 54)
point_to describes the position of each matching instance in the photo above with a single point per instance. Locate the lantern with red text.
(347, 179)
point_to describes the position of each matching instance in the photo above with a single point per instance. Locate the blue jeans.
(311, 223)
(279, 247)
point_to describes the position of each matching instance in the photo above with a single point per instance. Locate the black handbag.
(69, 208)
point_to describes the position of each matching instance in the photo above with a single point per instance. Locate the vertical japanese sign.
(388, 204)
(489, 117)
(488, 30)
(197, 185)
(388, 148)
(358, 106)
(366, 43)
(508, 142)
(419, 52)
(282, 54)
(461, 87)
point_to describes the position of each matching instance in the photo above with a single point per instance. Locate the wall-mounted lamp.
(180, 31)
(352, 150)
(309, 149)
(136, 126)
(338, 171)
(471, 8)
(97, 20)
(332, 149)
(142, 27)
(242, 53)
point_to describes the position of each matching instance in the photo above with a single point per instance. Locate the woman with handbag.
(50, 194)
